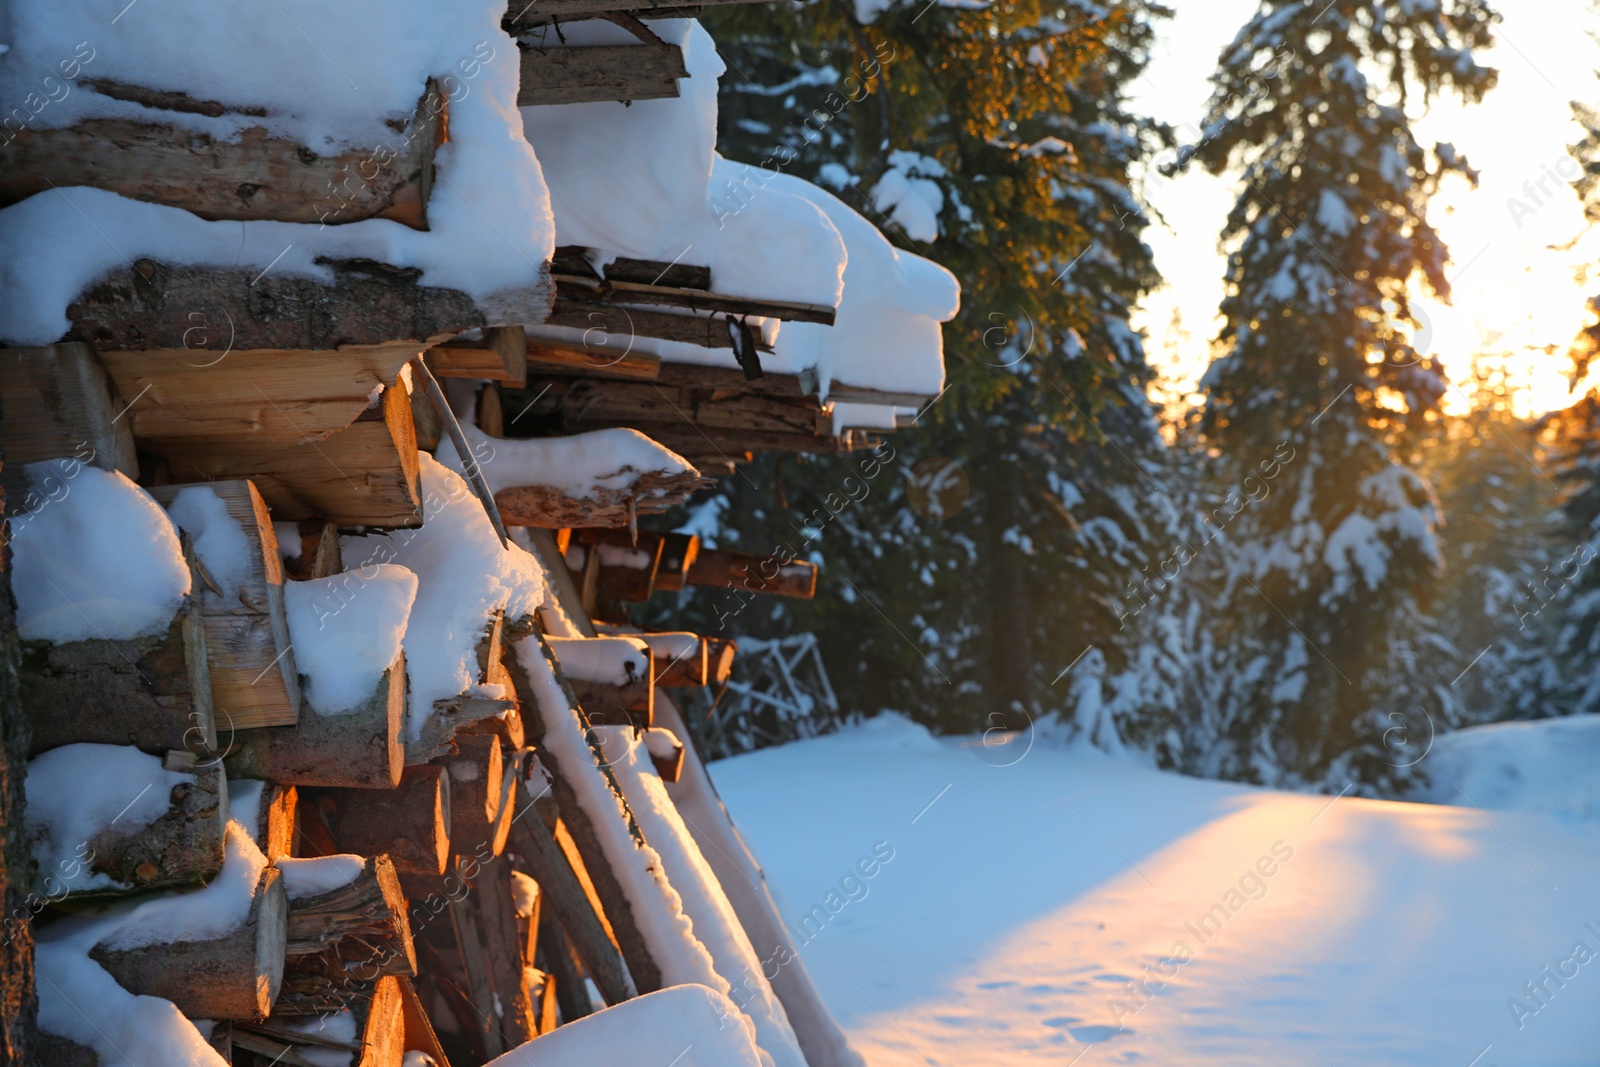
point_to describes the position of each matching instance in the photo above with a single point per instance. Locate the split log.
(720, 652)
(650, 493)
(508, 724)
(344, 938)
(599, 73)
(491, 415)
(211, 389)
(466, 920)
(319, 552)
(366, 474)
(476, 772)
(417, 826)
(451, 718)
(358, 749)
(149, 304)
(504, 956)
(735, 444)
(573, 903)
(380, 1028)
(60, 402)
(251, 174)
(682, 659)
(754, 574)
(277, 819)
(181, 849)
(550, 357)
(411, 824)
(499, 355)
(235, 976)
(253, 677)
(578, 261)
(528, 905)
(540, 989)
(678, 553)
(558, 960)
(419, 1033)
(666, 752)
(150, 692)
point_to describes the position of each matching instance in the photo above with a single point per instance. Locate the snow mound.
(346, 630)
(219, 540)
(463, 577)
(690, 1018)
(1549, 765)
(98, 558)
(579, 466)
(76, 791)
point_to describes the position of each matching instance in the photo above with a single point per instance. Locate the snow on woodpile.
(656, 905)
(637, 180)
(886, 333)
(141, 1031)
(583, 466)
(707, 907)
(346, 630)
(690, 1018)
(316, 875)
(219, 540)
(76, 791)
(608, 660)
(463, 576)
(677, 200)
(96, 557)
(489, 226)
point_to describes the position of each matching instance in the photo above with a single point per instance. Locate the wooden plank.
(503, 951)
(218, 395)
(554, 357)
(252, 174)
(254, 680)
(855, 394)
(60, 402)
(598, 73)
(574, 260)
(707, 331)
(501, 355)
(609, 291)
(367, 474)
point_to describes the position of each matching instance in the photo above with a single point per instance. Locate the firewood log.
(666, 752)
(380, 1033)
(180, 849)
(476, 771)
(343, 938)
(678, 552)
(754, 574)
(360, 748)
(411, 823)
(147, 305)
(60, 402)
(503, 951)
(613, 678)
(235, 976)
(252, 174)
(319, 552)
(151, 692)
(599, 72)
(253, 677)
(499, 355)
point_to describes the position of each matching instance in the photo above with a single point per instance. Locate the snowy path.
(1020, 900)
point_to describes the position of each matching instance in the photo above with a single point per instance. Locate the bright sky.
(1513, 292)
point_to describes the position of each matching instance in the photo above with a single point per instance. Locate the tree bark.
(151, 692)
(411, 824)
(360, 749)
(235, 976)
(181, 849)
(342, 939)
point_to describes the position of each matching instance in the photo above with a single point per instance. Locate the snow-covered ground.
(1009, 907)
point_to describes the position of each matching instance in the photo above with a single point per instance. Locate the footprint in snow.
(1092, 1035)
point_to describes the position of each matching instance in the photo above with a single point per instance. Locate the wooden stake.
(469, 460)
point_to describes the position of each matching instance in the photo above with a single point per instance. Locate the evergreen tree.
(1334, 658)
(1487, 468)
(1567, 585)
(1011, 122)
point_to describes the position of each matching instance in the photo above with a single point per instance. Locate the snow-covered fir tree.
(995, 141)
(1315, 406)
